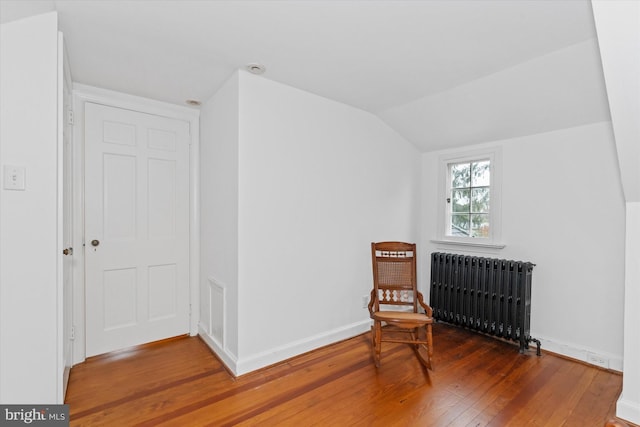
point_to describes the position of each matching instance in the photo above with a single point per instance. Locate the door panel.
(119, 299)
(162, 199)
(119, 191)
(162, 290)
(137, 227)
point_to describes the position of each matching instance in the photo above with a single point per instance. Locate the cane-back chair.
(395, 301)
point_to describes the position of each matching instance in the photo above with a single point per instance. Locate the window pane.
(480, 200)
(480, 225)
(480, 173)
(460, 225)
(460, 175)
(460, 201)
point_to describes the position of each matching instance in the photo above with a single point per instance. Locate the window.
(469, 205)
(469, 198)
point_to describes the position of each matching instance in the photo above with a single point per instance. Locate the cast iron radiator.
(492, 296)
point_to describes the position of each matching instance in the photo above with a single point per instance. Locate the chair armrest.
(427, 309)
(371, 302)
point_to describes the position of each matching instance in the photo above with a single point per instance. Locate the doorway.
(139, 267)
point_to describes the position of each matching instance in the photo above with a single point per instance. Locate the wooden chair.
(395, 286)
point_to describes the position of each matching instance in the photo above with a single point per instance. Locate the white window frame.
(494, 240)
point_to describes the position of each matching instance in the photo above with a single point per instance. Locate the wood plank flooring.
(476, 381)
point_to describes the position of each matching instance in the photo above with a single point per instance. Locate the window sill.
(471, 244)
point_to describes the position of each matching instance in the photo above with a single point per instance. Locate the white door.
(136, 228)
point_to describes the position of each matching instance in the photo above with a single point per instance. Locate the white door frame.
(82, 94)
(65, 218)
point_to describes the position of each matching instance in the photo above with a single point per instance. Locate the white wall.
(628, 406)
(618, 26)
(562, 209)
(317, 182)
(29, 294)
(219, 221)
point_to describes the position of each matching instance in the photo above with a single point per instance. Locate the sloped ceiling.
(442, 73)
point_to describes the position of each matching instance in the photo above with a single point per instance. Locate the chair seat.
(401, 317)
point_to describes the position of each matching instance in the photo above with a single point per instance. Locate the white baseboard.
(229, 359)
(295, 348)
(244, 365)
(251, 363)
(583, 354)
(627, 410)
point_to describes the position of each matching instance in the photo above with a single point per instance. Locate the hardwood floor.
(476, 381)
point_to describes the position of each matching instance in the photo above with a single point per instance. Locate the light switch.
(14, 177)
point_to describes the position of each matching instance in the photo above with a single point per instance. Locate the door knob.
(95, 242)
(68, 251)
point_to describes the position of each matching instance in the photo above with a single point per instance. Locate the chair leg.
(415, 336)
(377, 341)
(373, 336)
(373, 341)
(426, 347)
(429, 344)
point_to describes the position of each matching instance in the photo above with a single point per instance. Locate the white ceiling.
(442, 73)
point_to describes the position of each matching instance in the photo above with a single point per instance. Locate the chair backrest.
(394, 274)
